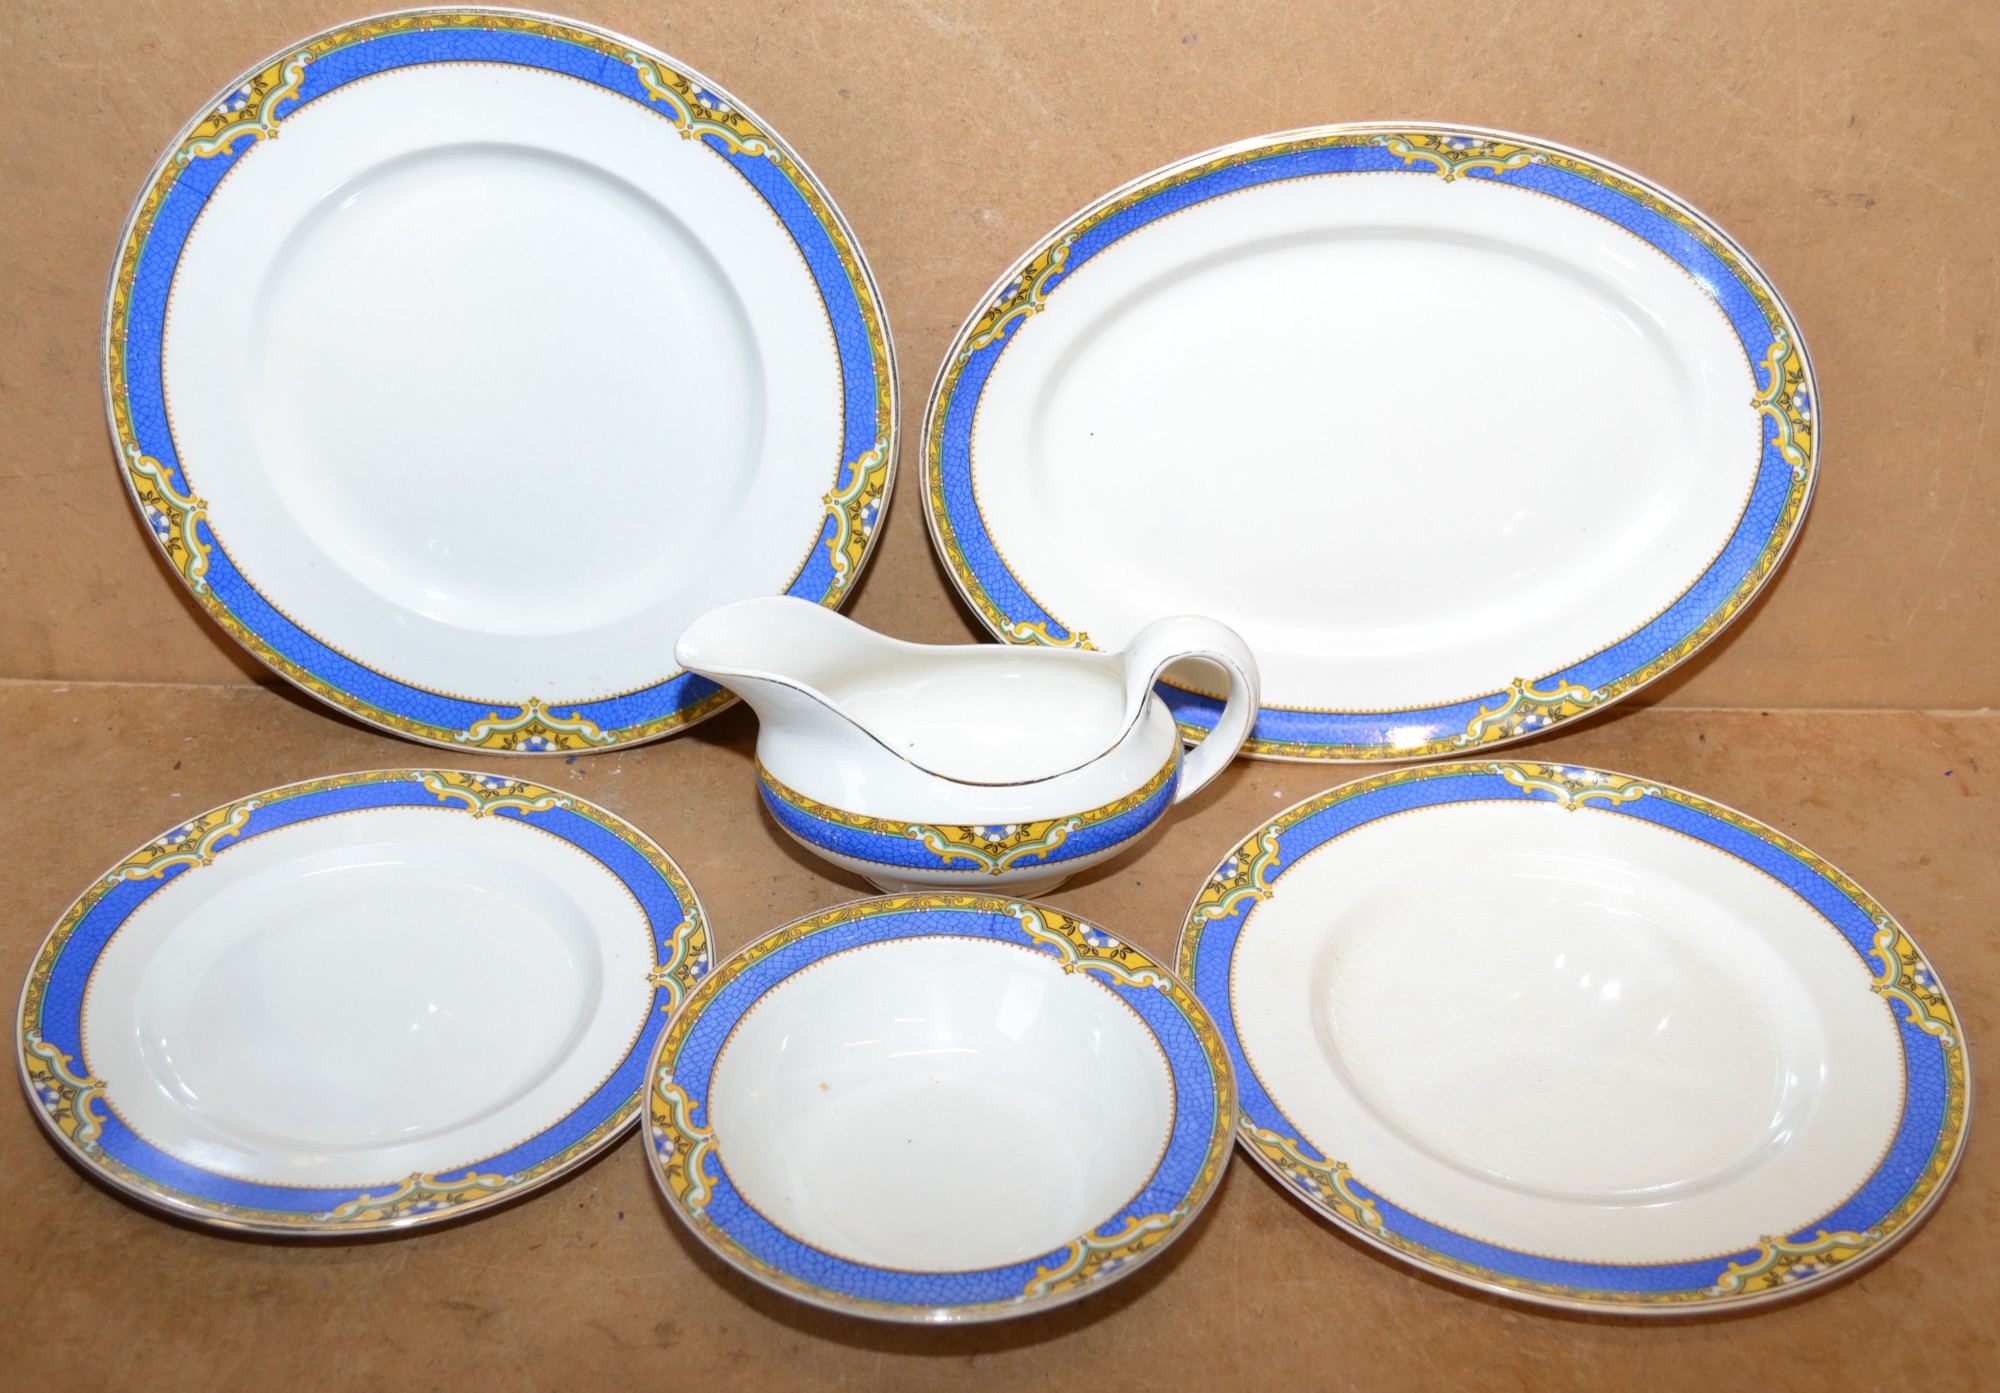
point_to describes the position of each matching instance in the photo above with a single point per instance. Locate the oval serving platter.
(359, 1004)
(940, 1108)
(1467, 434)
(1578, 1038)
(457, 359)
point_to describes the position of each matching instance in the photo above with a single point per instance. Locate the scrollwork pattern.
(534, 730)
(696, 112)
(990, 848)
(1526, 708)
(1574, 788)
(418, 1195)
(1780, 1262)
(1786, 402)
(251, 110)
(1905, 977)
(1454, 155)
(1244, 876)
(1091, 1256)
(193, 843)
(489, 793)
(69, 1101)
(1080, 947)
(1328, 1182)
(854, 512)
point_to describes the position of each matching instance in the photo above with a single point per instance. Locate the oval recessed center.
(1592, 1039)
(1420, 438)
(1576, 1032)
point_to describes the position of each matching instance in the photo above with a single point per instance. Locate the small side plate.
(360, 1003)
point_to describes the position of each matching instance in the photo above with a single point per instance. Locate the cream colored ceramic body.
(968, 766)
(1579, 1038)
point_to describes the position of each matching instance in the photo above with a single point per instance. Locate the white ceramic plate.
(458, 360)
(1466, 434)
(939, 1107)
(359, 1003)
(1578, 1038)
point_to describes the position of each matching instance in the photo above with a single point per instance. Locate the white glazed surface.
(957, 733)
(493, 382)
(361, 998)
(1568, 1034)
(940, 1104)
(1432, 436)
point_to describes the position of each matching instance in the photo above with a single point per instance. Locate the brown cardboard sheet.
(1845, 144)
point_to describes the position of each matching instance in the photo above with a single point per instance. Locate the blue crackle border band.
(906, 846)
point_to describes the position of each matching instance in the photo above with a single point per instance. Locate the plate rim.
(1576, 787)
(857, 510)
(167, 857)
(1067, 938)
(1528, 709)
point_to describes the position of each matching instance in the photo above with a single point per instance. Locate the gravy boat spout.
(969, 765)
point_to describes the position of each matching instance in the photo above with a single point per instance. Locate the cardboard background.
(1845, 145)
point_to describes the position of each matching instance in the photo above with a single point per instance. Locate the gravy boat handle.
(1167, 641)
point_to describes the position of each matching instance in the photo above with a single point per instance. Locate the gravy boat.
(970, 766)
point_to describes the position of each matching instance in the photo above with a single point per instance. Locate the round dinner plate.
(1467, 434)
(939, 1107)
(359, 1003)
(1579, 1038)
(458, 359)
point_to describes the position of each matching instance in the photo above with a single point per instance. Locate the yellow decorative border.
(70, 1102)
(535, 730)
(1528, 708)
(249, 112)
(992, 848)
(855, 511)
(1453, 155)
(1091, 1257)
(696, 111)
(680, 1147)
(1525, 709)
(1899, 970)
(1243, 876)
(1573, 787)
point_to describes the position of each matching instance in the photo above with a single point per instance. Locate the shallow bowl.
(940, 1108)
